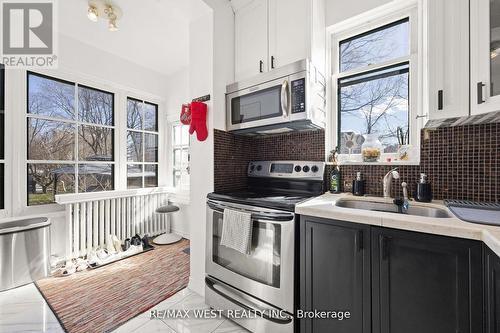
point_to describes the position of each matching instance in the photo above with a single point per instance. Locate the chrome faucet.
(393, 174)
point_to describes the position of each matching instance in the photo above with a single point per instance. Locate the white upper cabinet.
(448, 62)
(251, 34)
(288, 31)
(273, 33)
(485, 56)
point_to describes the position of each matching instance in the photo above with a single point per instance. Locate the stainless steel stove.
(263, 279)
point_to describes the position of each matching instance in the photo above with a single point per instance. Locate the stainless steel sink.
(392, 208)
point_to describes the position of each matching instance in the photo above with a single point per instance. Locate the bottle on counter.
(358, 185)
(423, 191)
(335, 174)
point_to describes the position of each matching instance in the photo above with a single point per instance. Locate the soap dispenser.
(358, 185)
(423, 191)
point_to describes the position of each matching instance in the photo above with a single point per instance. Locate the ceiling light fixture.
(106, 10)
(111, 18)
(92, 13)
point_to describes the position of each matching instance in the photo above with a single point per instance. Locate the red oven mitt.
(199, 120)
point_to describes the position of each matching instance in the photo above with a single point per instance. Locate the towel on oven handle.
(237, 230)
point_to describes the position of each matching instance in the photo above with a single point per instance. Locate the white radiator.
(91, 217)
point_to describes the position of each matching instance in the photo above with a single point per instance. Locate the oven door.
(265, 104)
(267, 273)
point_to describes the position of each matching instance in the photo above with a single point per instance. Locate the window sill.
(377, 163)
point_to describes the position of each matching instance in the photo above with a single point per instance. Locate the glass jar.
(371, 149)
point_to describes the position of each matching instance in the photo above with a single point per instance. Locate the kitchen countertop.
(324, 207)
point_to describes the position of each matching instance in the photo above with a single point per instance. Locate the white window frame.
(76, 162)
(183, 190)
(360, 24)
(143, 163)
(16, 132)
(6, 165)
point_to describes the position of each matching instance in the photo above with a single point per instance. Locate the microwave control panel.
(298, 96)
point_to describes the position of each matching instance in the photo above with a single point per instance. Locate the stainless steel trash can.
(24, 252)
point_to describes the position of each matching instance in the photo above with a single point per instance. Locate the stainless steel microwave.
(289, 98)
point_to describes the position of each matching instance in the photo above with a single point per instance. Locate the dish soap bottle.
(358, 185)
(423, 191)
(335, 174)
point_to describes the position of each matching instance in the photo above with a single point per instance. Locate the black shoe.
(126, 244)
(145, 243)
(136, 240)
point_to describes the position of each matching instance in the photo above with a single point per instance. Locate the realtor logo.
(28, 33)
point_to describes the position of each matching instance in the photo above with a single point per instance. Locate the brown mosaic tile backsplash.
(233, 153)
(461, 162)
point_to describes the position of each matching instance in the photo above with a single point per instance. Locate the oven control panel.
(287, 169)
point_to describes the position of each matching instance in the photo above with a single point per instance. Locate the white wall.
(339, 10)
(77, 61)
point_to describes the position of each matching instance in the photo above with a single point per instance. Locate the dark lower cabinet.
(335, 274)
(491, 291)
(425, 283)
(394, 281)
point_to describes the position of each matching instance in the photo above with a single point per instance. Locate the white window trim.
(16, 136)
(364, 22)
(181, 194)
(143, 163)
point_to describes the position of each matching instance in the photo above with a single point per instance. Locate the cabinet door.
(492, 291)
(485, 56)
(251, 39)
(448, 65)
(289, 31)
(335, 274)
(425, 283)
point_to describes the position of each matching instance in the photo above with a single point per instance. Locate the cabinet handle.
(440, 100)
(359, 240)
(272, 62)
(384, 240)
(480, 99)
(261, 66)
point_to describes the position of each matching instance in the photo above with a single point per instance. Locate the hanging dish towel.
(237, 231)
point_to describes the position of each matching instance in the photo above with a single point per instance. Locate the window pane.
(177, 135)
(185, 135)
(2, 114)
(2, 184)
(50, 140)
(95, 177)
(177, 158)
(376, 46)
(134, 146)
(151, 146)
(95, 143)
(150, 117)
(495, 46)
(50, 97)
(95, 106)
(177, 178)
(373, 103)
(134, 114)
(150, 175)
(134, 176)
(185, 157)
(47, 180)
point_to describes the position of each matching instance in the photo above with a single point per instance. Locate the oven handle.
(227, 295)
(266, 216)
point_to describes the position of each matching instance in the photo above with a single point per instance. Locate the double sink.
(416, 210)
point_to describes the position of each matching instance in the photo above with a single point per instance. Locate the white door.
(251, 40)
(448, 63)
(289, 31)
(485, 56)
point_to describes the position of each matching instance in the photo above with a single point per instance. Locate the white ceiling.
(152, 33)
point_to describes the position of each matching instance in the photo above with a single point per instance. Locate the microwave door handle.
(285, 98)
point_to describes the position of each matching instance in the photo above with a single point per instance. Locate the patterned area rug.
(100, 300)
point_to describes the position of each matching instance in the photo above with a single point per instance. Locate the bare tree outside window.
(374, 100)
(55, 129)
